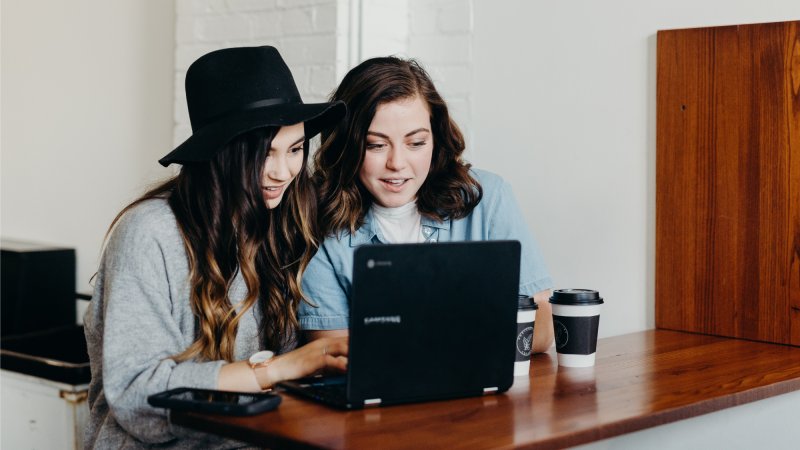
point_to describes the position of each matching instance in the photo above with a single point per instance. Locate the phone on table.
(217, 402)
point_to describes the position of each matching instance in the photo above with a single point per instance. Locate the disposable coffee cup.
(576, 318)
(526, 318)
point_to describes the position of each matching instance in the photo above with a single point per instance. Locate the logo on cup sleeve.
(524, 341)
(562, 335)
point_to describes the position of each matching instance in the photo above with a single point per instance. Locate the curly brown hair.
(226, 228)
(449, 191)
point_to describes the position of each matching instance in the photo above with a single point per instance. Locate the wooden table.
(640, 380)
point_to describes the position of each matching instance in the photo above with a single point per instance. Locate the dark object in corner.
(38, 287)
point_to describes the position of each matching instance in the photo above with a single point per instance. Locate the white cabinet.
(36, 413)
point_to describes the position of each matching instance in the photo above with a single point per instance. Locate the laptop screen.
(432, 320)
(427, 322)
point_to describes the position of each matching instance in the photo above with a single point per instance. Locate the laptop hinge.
(372, 402)
(489, 390)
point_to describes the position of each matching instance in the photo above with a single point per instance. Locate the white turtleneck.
(399, 225)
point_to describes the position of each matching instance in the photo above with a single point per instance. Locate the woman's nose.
(396, 159)
(278, 168)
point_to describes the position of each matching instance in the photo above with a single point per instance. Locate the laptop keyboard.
(330, 389)
(335, 393)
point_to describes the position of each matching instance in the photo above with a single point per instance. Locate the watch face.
(261, 357)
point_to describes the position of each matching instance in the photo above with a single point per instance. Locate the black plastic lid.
(526, 302)
(576, 297)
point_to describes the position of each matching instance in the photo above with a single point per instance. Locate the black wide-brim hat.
(236, 90)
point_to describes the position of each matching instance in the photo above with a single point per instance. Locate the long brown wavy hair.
(226, 228)
(449, 191)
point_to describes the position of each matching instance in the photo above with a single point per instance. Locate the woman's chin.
(273, 203)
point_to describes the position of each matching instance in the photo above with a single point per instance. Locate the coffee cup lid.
(576, 297)
(526, 302)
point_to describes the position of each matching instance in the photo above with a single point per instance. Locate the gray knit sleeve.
(143, 324)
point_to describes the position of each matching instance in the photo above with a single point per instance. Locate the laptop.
(427, 322)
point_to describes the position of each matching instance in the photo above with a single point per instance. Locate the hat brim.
(204, 143)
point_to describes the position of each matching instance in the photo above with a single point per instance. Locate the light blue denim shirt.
(329, 277)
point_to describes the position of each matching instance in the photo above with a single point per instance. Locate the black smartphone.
(217, 402)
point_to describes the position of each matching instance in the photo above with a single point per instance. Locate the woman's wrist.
(265, 374)
(237, 376)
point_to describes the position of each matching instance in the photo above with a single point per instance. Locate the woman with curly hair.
(393, 172)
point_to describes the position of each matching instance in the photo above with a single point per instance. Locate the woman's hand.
(327, 354)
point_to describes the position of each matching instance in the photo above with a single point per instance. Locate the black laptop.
(427, 322)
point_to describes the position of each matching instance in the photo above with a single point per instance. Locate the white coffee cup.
(576, 319)
(526, 319)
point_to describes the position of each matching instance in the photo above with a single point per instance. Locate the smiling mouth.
(395, 181)
(273, 192)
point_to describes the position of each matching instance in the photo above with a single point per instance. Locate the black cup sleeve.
(524, 340)
(576, 335)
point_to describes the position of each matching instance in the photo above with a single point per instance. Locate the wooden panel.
(641, 380)
(728, 144)
(792, 93)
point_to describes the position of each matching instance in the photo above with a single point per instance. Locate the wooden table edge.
(189, 420)
(664, 417)
(561, 440)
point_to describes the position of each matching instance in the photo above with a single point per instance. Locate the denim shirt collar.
(370, 234)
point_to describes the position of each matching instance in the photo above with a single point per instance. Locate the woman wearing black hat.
(393, 172)
(200, 278)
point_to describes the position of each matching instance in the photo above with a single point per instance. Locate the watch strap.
(261, 371)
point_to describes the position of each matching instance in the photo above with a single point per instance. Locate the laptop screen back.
(432, 321)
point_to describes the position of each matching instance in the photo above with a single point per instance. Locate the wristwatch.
(259, 362)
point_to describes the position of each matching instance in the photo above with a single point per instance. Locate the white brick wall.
(385, 28)
(441, 40)
(322, 39)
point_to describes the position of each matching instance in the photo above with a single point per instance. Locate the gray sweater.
(139, 316)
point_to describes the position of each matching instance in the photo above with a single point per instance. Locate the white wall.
(86, 89)
(564, 108)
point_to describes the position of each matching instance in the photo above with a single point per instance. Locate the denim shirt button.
(427, 231)
(433, 241)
